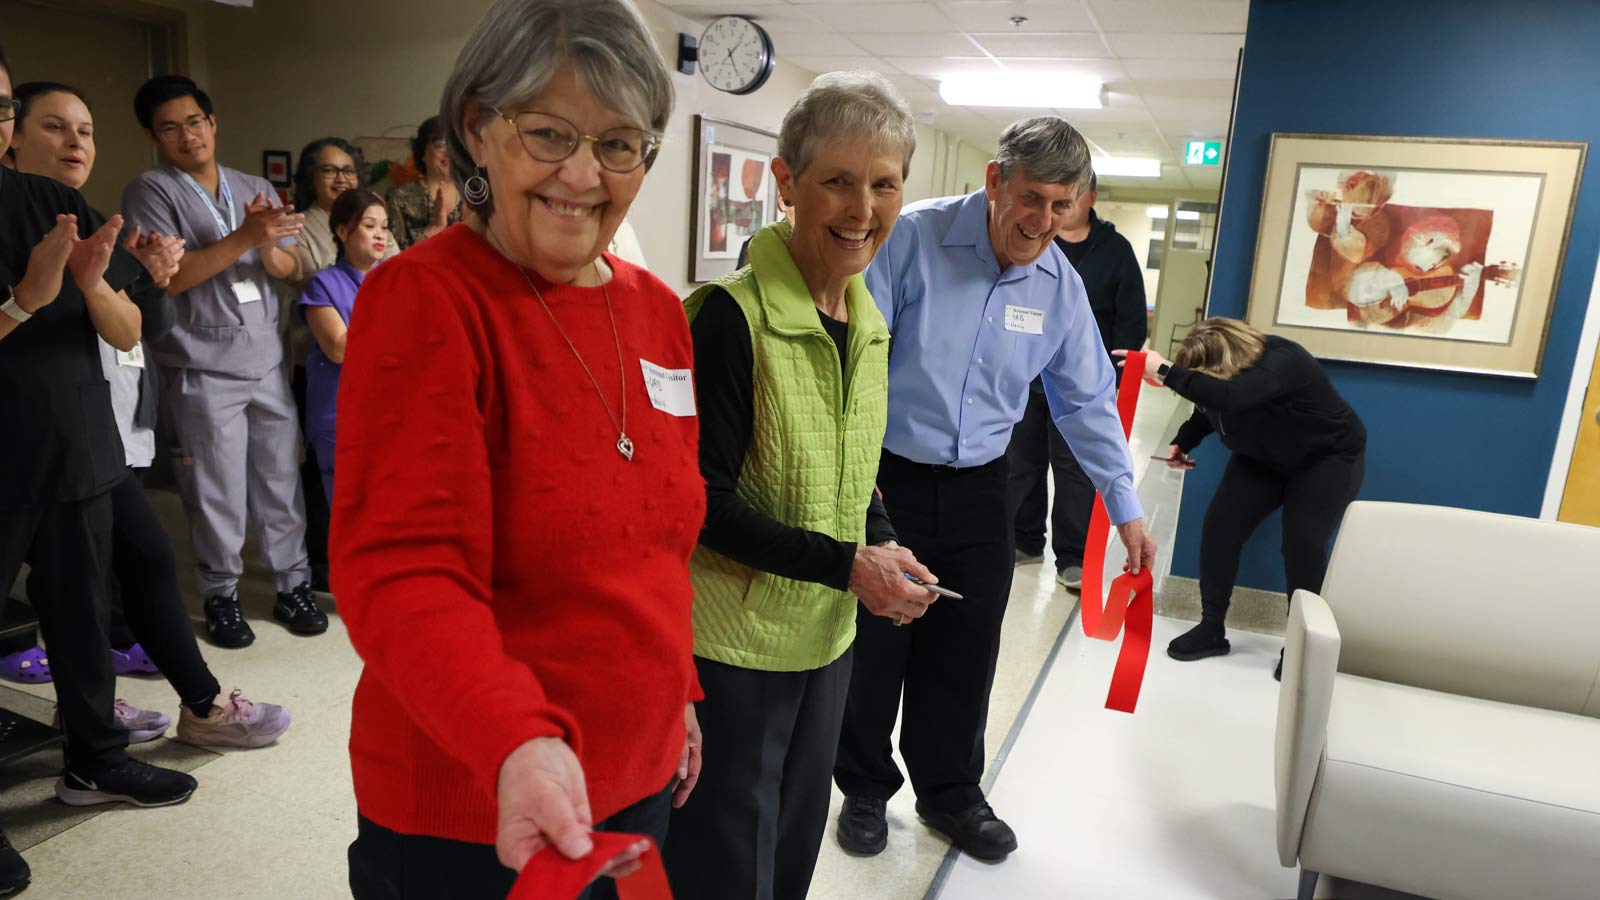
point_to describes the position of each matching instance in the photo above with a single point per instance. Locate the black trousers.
(1037, 448)
(388, 865)
(956, 522)
(67, 546)
(1313, 498)
(147, 579)
(316, 498)
(753, 826)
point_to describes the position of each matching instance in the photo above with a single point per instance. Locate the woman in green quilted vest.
(791, 372)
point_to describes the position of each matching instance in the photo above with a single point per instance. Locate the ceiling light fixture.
(1014, 90)
(1160, 212)
(1126, 167)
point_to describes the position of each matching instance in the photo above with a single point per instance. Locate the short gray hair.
(518, 47)
(1046, 149)
(847, 106)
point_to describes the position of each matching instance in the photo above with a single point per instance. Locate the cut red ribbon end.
(551, 876)
(1130, 607)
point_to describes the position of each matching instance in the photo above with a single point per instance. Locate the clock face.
(735, 55)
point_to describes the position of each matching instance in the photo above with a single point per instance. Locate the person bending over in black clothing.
(1296, 443)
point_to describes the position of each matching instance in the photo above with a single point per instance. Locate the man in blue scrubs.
(979, 302)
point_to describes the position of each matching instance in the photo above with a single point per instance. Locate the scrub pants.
(238, 459)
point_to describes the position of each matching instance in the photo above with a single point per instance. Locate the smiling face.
(56, 139)
(1024, 215)
(554, 217)
(335, 173)
(365, 240)
(185, 136)
(845, 203)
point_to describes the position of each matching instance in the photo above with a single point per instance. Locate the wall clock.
(736, 55)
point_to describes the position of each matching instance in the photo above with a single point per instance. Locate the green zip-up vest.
(812, 463)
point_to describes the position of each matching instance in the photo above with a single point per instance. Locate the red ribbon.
(1129, 606)
(551, 876)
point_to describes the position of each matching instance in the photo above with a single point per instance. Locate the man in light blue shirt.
(979, 302)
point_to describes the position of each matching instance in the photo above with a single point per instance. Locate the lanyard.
(223, 228)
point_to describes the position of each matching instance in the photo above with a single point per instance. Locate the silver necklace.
(624, 443)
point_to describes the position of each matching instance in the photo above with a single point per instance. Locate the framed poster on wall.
(733, 196)
(1434, 253)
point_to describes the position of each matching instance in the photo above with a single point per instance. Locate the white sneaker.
(1070, 578)
(240, 723)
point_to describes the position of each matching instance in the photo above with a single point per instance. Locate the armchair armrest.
(1310, 661)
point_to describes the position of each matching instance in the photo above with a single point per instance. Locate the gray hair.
(1045, 149)
(847, 106)
(518, 47)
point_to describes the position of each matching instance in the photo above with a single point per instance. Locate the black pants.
(1313, 498)
(753, 826)
(147, 578)
(388, 865)
(1037, 447)
(67, 546)
(955, 521)
(317, 511)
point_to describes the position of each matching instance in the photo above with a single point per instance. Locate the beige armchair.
(1439, 719)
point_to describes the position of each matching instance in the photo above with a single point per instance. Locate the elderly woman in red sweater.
(519, 489)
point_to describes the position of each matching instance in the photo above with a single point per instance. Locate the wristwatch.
(12, 309)
(1162, 370)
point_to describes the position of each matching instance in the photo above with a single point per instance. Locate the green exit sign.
(1202, 153)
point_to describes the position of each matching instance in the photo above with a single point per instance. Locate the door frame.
(1572, 415)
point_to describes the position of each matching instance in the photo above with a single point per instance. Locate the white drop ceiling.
(1168, 65)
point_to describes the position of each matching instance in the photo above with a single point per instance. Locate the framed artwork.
(276, 167)
(1432, 253)
(734, 193)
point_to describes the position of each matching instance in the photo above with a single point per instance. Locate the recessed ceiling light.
(1014, 90)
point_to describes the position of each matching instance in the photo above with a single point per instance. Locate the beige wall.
(289, 71)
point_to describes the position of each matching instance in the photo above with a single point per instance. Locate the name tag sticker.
(134, 357)
(671, 390)
(1024, 319)
(246, 292)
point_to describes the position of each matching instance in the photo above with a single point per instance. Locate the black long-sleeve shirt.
(1114, 282)
(1281, 411)
(725, 393)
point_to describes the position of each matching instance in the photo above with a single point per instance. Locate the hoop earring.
(476, 188)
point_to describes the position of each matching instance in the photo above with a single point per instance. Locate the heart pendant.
(625, 447)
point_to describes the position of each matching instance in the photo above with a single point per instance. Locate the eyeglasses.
(195, 125)
(333, 173)
(552, 139)
(9, 107)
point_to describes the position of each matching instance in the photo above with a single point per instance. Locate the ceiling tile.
(1180, 68)
(1199, 88)
(1057, 45)
(941, 67)
(1043, 15)
(918, 44)
(1107, 70)
(861, 19)
(1177, 46)
(820, 64)
(1196, 16)
(815, 44)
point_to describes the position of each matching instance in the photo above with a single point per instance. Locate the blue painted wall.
(1447, 68)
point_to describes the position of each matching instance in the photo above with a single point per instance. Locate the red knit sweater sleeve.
(411, 546)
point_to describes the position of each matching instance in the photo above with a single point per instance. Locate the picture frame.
(733, 193)
(1420, 252)
(277, 168)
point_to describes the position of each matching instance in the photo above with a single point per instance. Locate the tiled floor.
(275, 822)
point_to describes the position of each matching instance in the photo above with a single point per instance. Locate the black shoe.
(129, 781)
(1199, 642)
(1277, 674)
(298, 610)
(225, 623)
(14, 872)
(977, 831)
(863, 826)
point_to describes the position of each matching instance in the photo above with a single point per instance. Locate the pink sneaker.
(142, 724)
(239, 723)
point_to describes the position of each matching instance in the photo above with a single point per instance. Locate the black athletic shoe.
(129, 781)
(863, 826)
(1199, 642)
(225, 623)
(976, 830)
(14, 873)
(299, 611)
